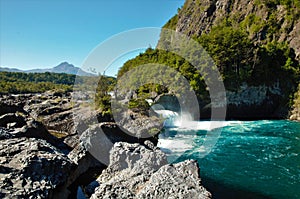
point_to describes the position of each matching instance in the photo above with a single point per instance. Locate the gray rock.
(98, 139)
(138, 125)
(139, 172)
(54, 112)
(181, 180)
(35, 164)
(85, 167)
(34, 129)
(13, 103)
(130, 166)
(31, 168)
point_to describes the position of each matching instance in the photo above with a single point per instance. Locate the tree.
(232, 51)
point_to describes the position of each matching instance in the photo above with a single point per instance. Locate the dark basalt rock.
(12, 120)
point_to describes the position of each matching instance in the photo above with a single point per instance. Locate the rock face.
(140, 126)
(256, 102)
(30, 167)
(199, 16)
(181, 180)
(295, 112)
(264, 22)
(36, 164)
(54, 110)
(100, 138)
(137, 171)
(168, 102)
(33, 163)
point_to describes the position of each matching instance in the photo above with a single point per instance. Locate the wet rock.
(87, 167)
(168, 102)
(85, 170)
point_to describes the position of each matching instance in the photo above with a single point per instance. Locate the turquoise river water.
(250, 159)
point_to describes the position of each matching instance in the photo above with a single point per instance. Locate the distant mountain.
(63, 67)
(10, 69)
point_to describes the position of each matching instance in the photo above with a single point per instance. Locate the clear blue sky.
(41, 34)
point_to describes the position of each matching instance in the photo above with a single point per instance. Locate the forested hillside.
(255, 45)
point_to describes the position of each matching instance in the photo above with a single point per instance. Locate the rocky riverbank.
(295, 112)
(51, 147)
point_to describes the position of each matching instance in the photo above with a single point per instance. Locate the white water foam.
(186, 130)
(184, 121)
(176, 146)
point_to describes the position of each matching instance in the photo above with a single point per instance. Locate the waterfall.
(170, 117)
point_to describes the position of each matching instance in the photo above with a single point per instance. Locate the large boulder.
(100, 138)
(181, 180)
(137, 171)
(84, 172)
(31, 168)
(140, 126)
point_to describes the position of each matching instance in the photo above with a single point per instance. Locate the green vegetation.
(11, 82)
(239, 60)
(139, 104)
(102, 97)
(236, 57)
(232, 51)
(297, 98)
(244, 48)
(253, 24)
(15, 82)
(165, 58)
(171, 24)
(55, 78)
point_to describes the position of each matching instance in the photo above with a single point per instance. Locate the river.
(249, 159)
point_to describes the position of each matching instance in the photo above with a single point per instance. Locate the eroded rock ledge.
(36, 164)
(137, 171)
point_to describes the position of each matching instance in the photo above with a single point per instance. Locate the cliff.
(255, 45)
(263, 20)
(295, 113)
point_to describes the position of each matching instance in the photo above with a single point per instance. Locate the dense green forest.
(15, 82)
(233, 45)
(236, 57)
